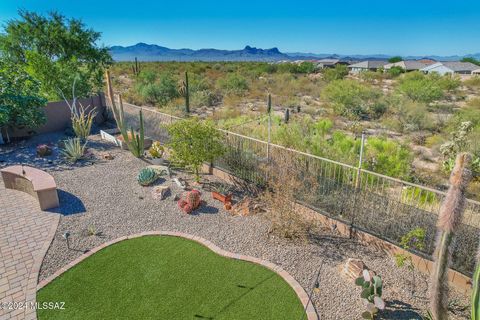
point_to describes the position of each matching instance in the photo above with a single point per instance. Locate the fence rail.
(383, 206)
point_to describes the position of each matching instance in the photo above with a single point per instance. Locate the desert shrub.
(354, 100)
(203, 98)
(411, 116)
(395, 71)
(280, 198)
(473, 82)
(420, 87)
(388, 157)
(194, 142)
(233, 84)
(161, 91)
(338, 73)
(304, 67)
(371, 76)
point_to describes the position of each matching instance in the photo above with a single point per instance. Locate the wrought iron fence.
(383, 206)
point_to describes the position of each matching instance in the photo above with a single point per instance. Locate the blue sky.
(348, 27)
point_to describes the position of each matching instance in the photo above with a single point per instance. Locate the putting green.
(164, 277)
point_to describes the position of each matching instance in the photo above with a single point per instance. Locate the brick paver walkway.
(25, 235)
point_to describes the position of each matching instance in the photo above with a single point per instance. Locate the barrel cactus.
(147, 176)
(191, 202)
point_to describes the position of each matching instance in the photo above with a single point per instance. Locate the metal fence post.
(360, 161)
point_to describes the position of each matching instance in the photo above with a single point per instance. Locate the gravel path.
(105, 199)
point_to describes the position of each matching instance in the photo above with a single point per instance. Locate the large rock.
(353, 268)
(160, 192)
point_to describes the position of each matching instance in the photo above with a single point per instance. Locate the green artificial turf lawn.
(162, 277)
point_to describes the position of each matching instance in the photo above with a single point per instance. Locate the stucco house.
(372, 65)
(476, 72)
(408, 65)
(451, 67)
(329, 63)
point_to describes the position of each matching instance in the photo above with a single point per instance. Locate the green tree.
(21, 105)
(395, 59)
(472, 60)
(194, 142)
(55, 50)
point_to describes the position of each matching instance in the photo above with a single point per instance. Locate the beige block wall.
(58, 116)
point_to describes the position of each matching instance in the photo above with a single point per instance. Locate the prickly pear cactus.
(146, 176)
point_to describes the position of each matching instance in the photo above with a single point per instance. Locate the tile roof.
(369, 64)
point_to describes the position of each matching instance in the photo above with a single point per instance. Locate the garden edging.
(311, 314)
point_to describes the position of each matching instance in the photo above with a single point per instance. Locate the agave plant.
(73, 150)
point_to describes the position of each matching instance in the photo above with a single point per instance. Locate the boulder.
(160, 192)
(353, 268)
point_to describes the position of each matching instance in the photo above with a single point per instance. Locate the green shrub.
(203, 98)
(421, 88)
(354, 100)
(233, 84)
(388, 157)
(395, 71)
(161, 91)
(338, 73)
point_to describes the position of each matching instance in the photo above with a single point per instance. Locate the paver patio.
(25, 235)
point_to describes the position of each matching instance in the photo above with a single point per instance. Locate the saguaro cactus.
(449, 219)
(184, 92)
(136, 68)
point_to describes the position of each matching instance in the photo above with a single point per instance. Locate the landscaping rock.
(107, 156)
(353, 268)
(160, 192)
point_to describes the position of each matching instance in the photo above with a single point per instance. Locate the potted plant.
(156, 153)
(222, 193)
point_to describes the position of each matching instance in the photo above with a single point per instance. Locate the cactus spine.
(185, 92)
(134, 140)
(449, 219)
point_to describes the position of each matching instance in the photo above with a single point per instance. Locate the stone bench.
(35, 182)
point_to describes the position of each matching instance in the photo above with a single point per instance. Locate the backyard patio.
(100, 201)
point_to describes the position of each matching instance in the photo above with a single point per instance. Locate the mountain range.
(153, 52)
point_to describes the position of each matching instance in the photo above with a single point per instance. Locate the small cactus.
(147, 176)
(191, 202)
(372, 286)
(43, 150)
(287, 115)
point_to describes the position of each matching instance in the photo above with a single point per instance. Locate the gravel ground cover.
(101, 201)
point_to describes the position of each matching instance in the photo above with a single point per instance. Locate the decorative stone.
(107, 156)
(179, 183)
(44, 150)
(160, 192)
(353, 268)
(246, 207)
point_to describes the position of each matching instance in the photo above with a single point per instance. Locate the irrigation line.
(316, 284)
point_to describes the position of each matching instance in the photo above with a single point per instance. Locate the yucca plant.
(81, 119)
(135, 141)
(73, 150)
(449, 219)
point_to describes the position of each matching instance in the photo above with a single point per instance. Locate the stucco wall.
(58, 116)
